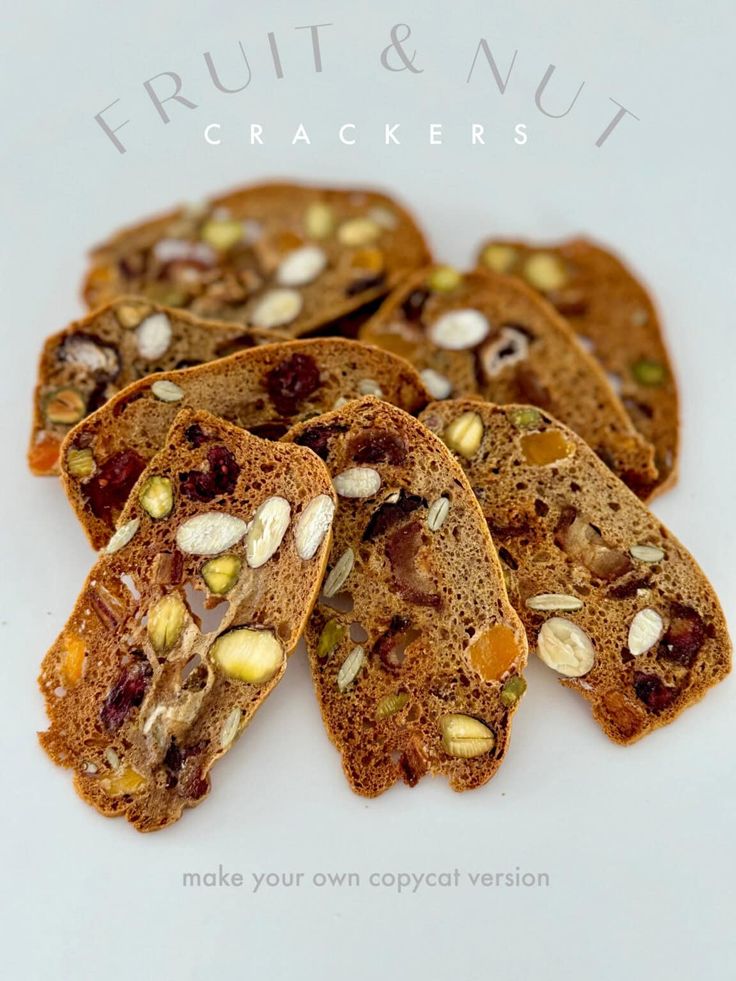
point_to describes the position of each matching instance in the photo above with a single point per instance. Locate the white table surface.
(638, 843)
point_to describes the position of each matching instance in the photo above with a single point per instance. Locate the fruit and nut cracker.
(265, 389)
(281, 256)
(615, 317)
(416, 654)
(142, 698)
(85, 364)
(610, 599)
(490, 336)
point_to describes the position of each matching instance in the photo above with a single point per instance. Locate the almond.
(565, 647)
(153, 336)
(357, 482)
(301, 266)
(645, 630)
(210, 533)
(458, 330)
(313, 525)
(267, 530)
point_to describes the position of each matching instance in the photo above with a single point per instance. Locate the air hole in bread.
(209, 620)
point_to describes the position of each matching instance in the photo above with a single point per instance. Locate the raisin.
(413, 305)
(625, 590)
(108, 490)
(653, 692)
(269, 430)
(378, 446)
(364, 283)
(387, 514)
(183, 769)
(317, 438)
(402, 548)
(127, 693)
(413, 765)
(221, 478)
(291, 382)
(195, 435)
(684, 637)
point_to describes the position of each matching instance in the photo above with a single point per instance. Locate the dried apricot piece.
(73, 662)
(44, 456)
(494, 651)
(541, 449)
(394, 339)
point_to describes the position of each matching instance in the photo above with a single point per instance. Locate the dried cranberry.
(364, 283)
(183, 769)
(127, 693)
(653, 692)
(387, 514)
(204, 485)
(291, 382)
(684, 637)
(317, 438)
(625, 590)
(378, 446)
(108, 490)
(413, 305)
(195, 435)
(269, 430)
(402, 548)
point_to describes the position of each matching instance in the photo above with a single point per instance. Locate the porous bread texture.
(605, 303)
(220, 259)
(94, 358)
(567, 527)
(141, 724)
(415, 601)
(304, 377)
(528, 353)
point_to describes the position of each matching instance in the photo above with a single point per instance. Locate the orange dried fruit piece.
(73, 662)
(44, 457)
(494, 652)
(395, 340)
(126, 781)
(540, 449)
(368, 260)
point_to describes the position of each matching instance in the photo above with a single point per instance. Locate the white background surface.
(638, 843)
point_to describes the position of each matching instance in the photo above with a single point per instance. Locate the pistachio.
(221, 573)
(122, 536)
(339, 573)
(333, 633)
(358, 231)
(464, 434)
(166, 622)
(64, 406)
(644, 631)
(210, 533)
(436, 384)
(167, 391)
(301, 266)
(554, 601)
(458, 330)
(437, 513)
(267, 530)
(565, 647)
(350, 668)
(466, 737)
(499, 257)
(524, 417)
(230, 728)
(545, 272)
(313, 525)
(221, 234)
(248, 654)
(391, 704)
(129, 315)
(646, 553)
(357, 482)
(513, 688)
(319, 220)
(276, 308)
(80, 463)
(157, 497)
(444, 279)
(648, 372)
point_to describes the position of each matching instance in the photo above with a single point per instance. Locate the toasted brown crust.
(566, 528)
(124, 708)
(237, 389)
(553, 371)
(415, 601)
(227, 283)
(112, 329)
(604, 302)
